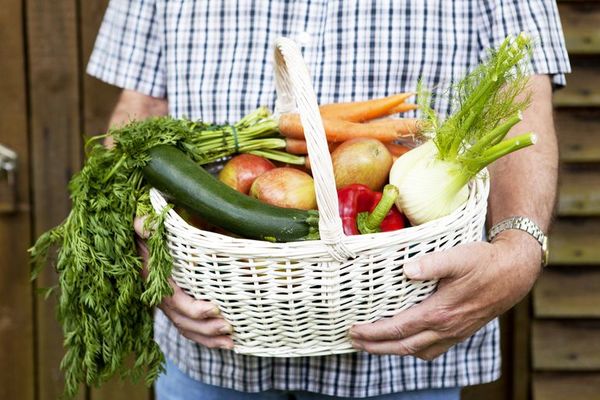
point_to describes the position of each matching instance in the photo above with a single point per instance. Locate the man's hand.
(478, 281)
(195, 319)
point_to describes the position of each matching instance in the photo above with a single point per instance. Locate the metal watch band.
(526, 225)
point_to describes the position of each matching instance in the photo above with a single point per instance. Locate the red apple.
(242, 170)
(285, 187)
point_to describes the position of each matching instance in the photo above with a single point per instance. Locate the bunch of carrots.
(345, 121)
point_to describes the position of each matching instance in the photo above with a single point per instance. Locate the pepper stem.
(371, 222)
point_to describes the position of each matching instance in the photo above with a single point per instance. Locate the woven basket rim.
(478, 189)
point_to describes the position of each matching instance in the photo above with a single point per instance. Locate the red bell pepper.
(362, 210)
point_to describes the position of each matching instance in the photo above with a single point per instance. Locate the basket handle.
(294, 88)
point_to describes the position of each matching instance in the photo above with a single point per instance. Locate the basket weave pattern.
(300, 298)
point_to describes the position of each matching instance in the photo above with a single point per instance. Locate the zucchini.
(189, 185)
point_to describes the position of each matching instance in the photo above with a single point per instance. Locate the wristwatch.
(523, 224)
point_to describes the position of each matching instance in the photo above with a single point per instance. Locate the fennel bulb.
(432, 178)
(429, 188)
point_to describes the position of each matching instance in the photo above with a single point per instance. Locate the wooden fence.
(565, 326)
(551, 341)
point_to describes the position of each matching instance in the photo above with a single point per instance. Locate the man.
(211, 60)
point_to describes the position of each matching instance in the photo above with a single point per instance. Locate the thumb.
(449, 263)
(139, 225)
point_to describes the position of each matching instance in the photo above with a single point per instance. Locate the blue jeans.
(176, 385)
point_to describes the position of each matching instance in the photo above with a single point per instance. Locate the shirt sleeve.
(128, 51)
(539, 19)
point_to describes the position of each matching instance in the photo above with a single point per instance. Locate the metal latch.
(8, 189)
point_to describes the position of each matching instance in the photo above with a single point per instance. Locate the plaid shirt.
(212, 59)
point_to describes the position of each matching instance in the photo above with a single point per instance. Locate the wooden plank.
(568, 292)
(99, 98)
(490, 391)
(566, 345)
(580, 23)
(563, 386)
(575, 242)
(583, 84)
(56, 153)
(579, 190)
(578, 132)
(17, 380)
(98, 102)
(521, 350)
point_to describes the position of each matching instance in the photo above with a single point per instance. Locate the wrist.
(521, 246)
(526, 225)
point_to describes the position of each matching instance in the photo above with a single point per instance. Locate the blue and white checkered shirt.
(212, 60)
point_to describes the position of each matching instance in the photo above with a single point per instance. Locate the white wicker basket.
(300, 298)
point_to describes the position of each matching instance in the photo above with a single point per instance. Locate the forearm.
(524, 183)
(135, 106)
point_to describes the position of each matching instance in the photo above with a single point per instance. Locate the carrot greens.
(105, 306)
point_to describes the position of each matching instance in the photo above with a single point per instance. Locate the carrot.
(298, 146)
(295, 146)
(360, 111)
(403, 107)
(396, 149)
(336, 130)
(402, 126)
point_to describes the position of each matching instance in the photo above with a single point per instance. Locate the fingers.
(206, 327)
(407, 323)
(212, 342)
(197, 320)
(138, 226)
(433, 352)
(142, 249)
(409, 346)
(426, 345)
(451, 263)
(431, 315)
(211, 332)
(187, 306)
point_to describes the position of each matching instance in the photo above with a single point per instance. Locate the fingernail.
(354, 334)
(225, 330)
(412, 270)
(214, 312)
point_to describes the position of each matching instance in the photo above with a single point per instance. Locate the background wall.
(565, 329)
(551, 340)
